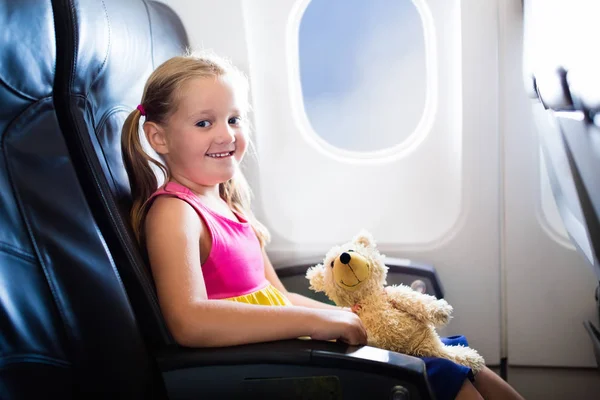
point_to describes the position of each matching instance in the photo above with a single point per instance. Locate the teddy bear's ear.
(365, 238)
(316, 277)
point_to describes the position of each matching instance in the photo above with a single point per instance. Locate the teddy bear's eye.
(332, 264)
(350, 251)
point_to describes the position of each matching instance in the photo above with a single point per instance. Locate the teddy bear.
(397, 318)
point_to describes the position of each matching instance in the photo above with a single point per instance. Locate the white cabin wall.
(468, 263)
(216, 26)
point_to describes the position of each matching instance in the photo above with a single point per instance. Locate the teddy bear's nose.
(345, 258)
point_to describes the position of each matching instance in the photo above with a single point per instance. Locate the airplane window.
(363, 71)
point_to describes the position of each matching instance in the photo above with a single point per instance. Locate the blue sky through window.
(362, 70)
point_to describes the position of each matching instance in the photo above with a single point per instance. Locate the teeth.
(219, 155)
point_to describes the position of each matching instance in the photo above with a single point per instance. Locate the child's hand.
(339, 325)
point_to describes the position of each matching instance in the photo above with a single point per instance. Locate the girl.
(215, 283)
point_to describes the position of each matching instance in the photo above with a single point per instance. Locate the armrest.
(595, 338)
(400, 270)
(293, 369)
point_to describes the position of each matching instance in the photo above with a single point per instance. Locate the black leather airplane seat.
(67, 329)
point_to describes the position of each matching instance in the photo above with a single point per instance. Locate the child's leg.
(492, 387)
(468, 392)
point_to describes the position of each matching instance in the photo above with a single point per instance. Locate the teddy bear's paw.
(465, 356)
(475, 362)
(442, 311)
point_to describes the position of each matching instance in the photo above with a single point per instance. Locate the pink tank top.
(235, 265)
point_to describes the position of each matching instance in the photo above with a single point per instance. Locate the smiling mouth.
(353, 273)
(221, 155)
(356, 284)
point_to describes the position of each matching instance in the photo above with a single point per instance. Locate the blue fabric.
(446, 377)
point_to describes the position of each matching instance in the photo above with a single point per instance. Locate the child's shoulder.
(170, 212)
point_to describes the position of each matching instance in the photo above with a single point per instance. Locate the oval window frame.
(402, 149)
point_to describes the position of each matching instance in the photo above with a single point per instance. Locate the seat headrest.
(31, 52)
(28, 57)
(118, 45)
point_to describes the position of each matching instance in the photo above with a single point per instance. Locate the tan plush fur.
(397, 318)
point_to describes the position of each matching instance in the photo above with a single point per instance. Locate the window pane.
(362, 70)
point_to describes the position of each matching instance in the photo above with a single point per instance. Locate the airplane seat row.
(78, 310)
(562, 76)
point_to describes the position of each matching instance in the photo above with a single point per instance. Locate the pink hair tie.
(141, 109)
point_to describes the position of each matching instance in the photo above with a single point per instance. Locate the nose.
(345, 258)
(225, 134)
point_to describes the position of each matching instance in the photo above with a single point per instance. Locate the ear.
(316, 277)
(365, 238)
(156, 137)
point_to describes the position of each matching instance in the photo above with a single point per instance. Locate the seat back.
(67, 327)
(108, 50)
(562, 72)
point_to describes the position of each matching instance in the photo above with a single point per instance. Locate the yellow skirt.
(269, 296)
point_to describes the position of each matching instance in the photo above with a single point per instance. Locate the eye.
(203, 124)
(235, 121)
(350, 251)
(332, 264)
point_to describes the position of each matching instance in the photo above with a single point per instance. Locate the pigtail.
(142, 179)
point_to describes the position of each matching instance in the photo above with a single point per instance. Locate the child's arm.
(173, 232)
(295, 298)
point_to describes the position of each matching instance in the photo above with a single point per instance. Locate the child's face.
(205, 136)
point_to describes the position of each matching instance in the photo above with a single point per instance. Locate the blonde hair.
(159, 101)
